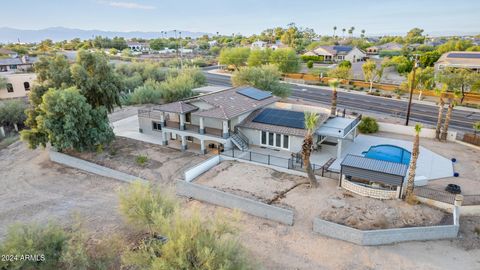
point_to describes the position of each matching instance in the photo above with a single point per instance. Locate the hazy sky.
(244, 16)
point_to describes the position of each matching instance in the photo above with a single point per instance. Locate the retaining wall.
(198, 169)
(84, 165)
(409, 130)
(386, 236)
(217, 197)
(370, 191)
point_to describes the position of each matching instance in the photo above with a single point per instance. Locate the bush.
(150, 92)
(12, 112)
(310, 64)
(314, 58)
(265, 78)
(345, 64)
(141, 160)
(368, 125)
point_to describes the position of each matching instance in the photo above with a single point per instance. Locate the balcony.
(194, 129)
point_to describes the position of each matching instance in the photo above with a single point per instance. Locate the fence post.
(250, 155)
(268, 159)
(233, 152)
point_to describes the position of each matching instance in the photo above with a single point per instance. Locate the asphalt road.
(462, 120)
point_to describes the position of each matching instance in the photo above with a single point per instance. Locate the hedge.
(314, 58)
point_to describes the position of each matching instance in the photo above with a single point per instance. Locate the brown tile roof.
(6, 51)
(176, 107)
(300, 132)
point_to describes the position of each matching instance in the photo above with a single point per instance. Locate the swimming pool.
(388, 152)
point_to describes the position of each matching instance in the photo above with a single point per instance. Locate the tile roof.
(176, 107)
(376, 165)
(300, 132)
(6, 51)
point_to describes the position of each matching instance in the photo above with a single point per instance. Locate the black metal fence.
(293, 163)
(471, 199)
(433, 194)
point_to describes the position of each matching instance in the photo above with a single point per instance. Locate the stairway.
(239, 141)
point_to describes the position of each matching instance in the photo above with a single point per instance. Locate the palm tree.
(334, 84)
(363, 33)
(351, 31)
(441, 103)
(311, 121)
(334, 30)
(413, 161)
(448, 116)
(343, 30)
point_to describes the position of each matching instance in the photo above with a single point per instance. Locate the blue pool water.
(388, 152)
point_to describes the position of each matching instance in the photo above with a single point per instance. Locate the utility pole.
(412, 83)
(181, 51)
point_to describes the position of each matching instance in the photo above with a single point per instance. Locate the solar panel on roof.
(283, 118)
(464, 55)
(254, 93)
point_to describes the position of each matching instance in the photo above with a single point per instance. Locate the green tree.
(476, 128)
(310, 64)
(67, 121)
(259, 57)
(311, 122)
(339, 72)
(149, 92)
(345, 63)
(12, 112)
(401, 63)
(236, 57)
(372, 72)
(97, 81)
(415, 36)
(53, 71)
(413, 162)
(428, 59)
(286, 59)
(265, 78)
(460, 81)
(3, 82)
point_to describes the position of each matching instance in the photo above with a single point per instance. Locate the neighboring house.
(10, 53)
(391, 46)
(459, 59)
(18, 85)
(138, 46)
(23, 64)
(212, 43)
(278, 45)
(243, 117)
(258, 45)
(339, 53)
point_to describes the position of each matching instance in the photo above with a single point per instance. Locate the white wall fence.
(409, 130)
(200, 168)
(387, 236)
(84, 165)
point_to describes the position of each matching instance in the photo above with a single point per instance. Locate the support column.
(165, 138)
(339, 148)
(184, 143)
(203, 150)
(225, 132)
(182, 121)
(354, 134)
(2, 131)
(201, 130)
(162, 120)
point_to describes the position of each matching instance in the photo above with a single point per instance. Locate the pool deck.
(430, 165)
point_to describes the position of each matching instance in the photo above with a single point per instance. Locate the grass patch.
(141, 160)
(5, 142)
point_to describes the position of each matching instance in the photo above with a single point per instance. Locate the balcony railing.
(194, 128)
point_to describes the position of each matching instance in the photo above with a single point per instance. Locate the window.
(270, 139)
(278, 140)
(9, 88)
(26, 85)
(264, 137)
(156, 126)
(285, 141)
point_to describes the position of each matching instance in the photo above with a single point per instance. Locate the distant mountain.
(8, 34)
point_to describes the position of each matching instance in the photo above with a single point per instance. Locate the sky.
(244, 16)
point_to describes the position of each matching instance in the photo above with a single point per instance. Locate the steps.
(239, 142)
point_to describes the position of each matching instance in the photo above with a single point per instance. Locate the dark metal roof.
(376, 165)
(279, 117)
(254, 93)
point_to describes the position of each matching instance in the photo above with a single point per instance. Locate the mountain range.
(8, 34)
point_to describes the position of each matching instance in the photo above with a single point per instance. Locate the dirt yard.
(163, 164)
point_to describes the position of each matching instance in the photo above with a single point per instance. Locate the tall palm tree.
(363, 33)
(334, 84)
(413, 161)
(334, 30)
(440, 92)
(343, 30)
(311, 121)
(351, 31)
(448, 116)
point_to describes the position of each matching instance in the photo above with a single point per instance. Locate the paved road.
(461, 120)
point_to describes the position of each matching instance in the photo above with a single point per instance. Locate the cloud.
(129, 5)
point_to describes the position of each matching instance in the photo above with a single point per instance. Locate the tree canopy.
(265, 77)
(286, 59)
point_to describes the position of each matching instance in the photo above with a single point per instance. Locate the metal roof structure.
(387, 167)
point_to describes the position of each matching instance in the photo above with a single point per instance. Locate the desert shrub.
(105, 253)
(49, 241)
(310, 64)
(368, 125)
(141, 160)
(147, 93)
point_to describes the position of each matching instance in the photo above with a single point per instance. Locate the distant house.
(338, 53)
(391, 48)
(458, 59)
(23, 64)
(138, 46)
(258, 45)
(9, 53)
(212, 43)
(18, 85)
(278, 45)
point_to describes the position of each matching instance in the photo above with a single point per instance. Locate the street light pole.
(411, 91)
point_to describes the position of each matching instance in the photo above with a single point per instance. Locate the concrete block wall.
(217, 197)
(409, 130)
(369, 192)
(386, 236)
(84, 165)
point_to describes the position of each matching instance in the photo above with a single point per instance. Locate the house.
(138, 46)
(258, 45)
(459, 59)
(23, 64)
(212, 43)
(18, 85)
(391, 46)
(338, 53)
(242, 118)
(9, 53)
